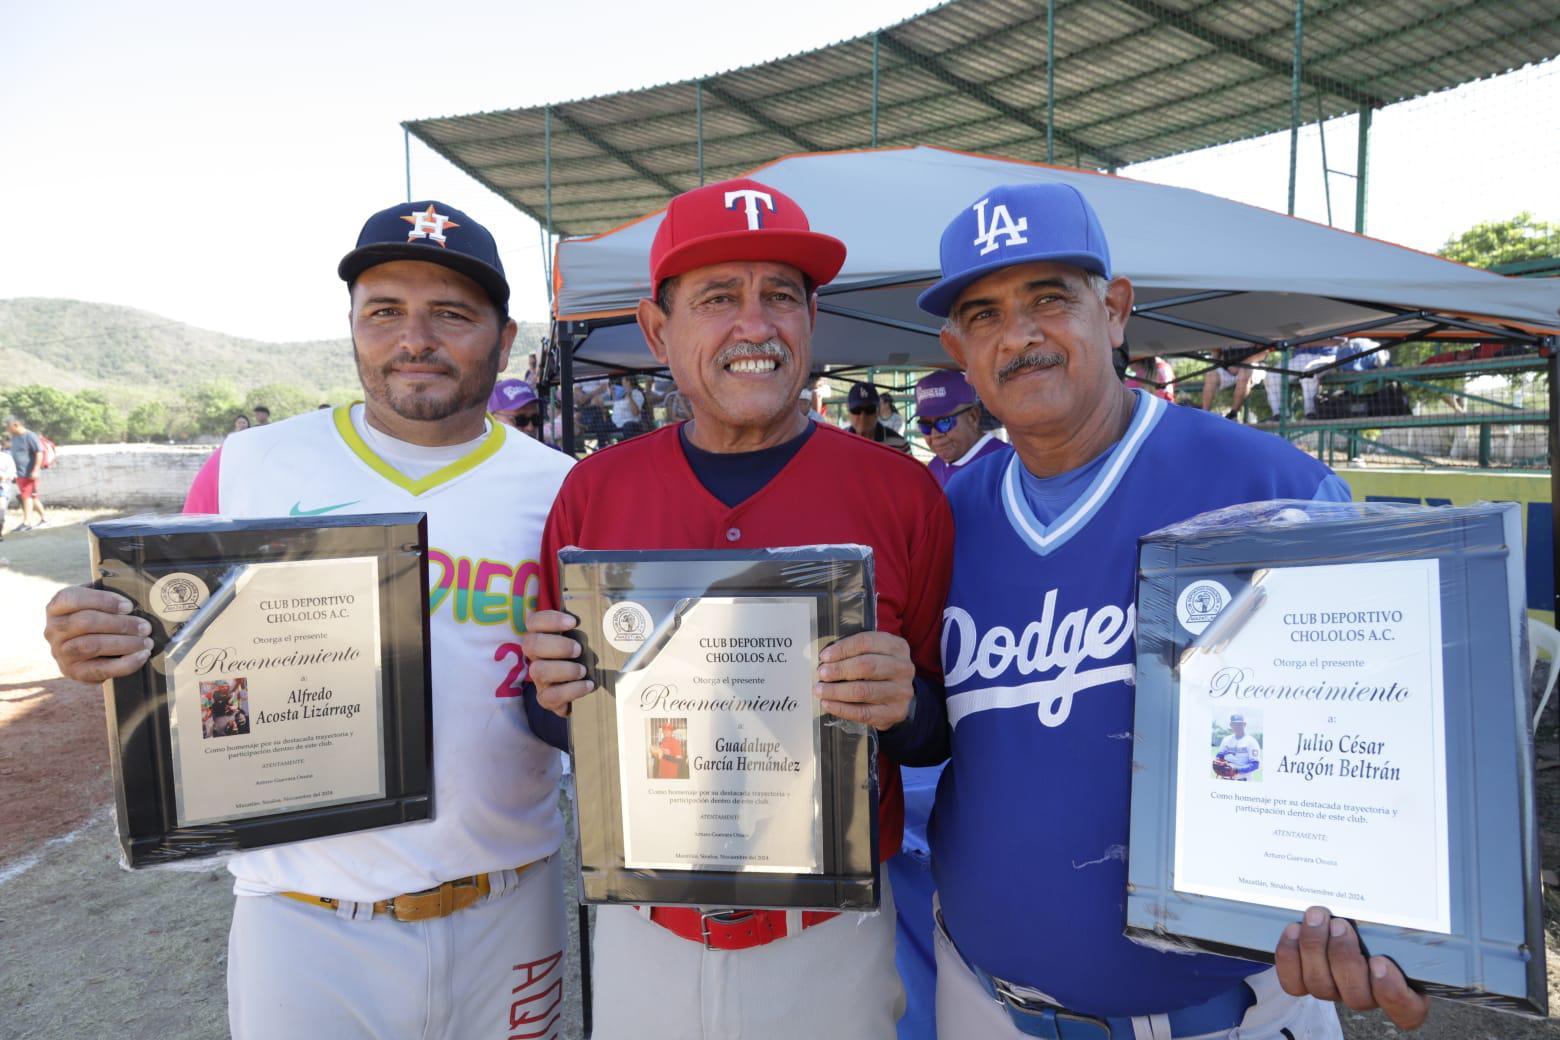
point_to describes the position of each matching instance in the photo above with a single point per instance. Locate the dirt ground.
(91, 949)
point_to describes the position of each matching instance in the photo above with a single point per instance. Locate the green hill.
(130, 355)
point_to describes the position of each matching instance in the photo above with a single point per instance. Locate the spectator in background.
(262, 415)
(514, 403)
(804, 405)
(888, 415)
(1152, 374)
(1227, 375)
(629, 413)
(7, 480)
(862, 403)
(1303, 359)
(948, 414)
(240, 422)
(27, 454)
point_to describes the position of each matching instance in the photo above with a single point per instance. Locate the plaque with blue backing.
(1332, 709)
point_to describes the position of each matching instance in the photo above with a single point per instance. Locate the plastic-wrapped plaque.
(705, 771)
(287, 693)
(1332, 709)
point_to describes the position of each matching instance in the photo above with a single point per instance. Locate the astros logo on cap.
(429, 225)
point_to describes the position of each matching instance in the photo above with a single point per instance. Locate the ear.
(506, 338)
(1118, 308)
(952, 345)
(652, 323)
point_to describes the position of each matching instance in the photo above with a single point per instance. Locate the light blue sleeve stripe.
(1333, 489)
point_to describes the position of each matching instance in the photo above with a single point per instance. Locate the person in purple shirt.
(948, 414)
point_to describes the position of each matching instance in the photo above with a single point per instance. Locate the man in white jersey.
(1239, 755)
(454, 927)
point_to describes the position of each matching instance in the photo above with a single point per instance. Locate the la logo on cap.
(1002, 223)
(429, 225)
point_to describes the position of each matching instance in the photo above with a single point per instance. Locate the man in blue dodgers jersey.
(450, 928)
(1030, 828)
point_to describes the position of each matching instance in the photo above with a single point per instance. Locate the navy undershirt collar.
(735, 477)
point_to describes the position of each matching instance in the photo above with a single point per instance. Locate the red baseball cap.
(740, 220)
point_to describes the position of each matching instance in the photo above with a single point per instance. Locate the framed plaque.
(706, 772)
(1332, 709)
(287, 694)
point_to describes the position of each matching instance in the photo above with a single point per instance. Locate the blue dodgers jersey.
(1029, 832)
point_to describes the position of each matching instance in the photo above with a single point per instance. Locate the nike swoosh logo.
(295, 511)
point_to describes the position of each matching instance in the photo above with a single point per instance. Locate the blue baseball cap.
(1017, 224)
(433, 233)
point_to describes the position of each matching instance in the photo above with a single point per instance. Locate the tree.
(283, 399)
(208, 409)
(1505, 242)
(148, 421)
(81, 418)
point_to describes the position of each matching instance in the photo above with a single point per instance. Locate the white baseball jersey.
(495, 785)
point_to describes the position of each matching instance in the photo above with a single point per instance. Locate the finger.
(91, 647)
(867, 666)
(1286, 958)
(80, 597)
(1407, 1008)
(557, 699)
(864, 692)
(1346, 965)
(67, 627)
(1313, 955)
(866, 643)
(553, 621)
(103, 668)
(539, 646)
(878, 716)
(551, 673)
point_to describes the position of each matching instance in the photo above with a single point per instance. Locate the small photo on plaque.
(287, 693)
(706, 772)
(224, 708)
(1237, 746)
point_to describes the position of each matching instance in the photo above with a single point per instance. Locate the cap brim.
(359, 260)
(818, 256)
(938, 299)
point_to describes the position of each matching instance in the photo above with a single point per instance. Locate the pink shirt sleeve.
(203, 494)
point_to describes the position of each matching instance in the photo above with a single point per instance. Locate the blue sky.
(211, 162)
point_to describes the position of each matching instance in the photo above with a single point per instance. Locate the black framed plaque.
(1332, 709)
(706, 773)
(287, 693)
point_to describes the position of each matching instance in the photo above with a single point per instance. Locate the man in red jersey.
(733, 269)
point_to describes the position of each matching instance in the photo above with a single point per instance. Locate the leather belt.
(430, 903)
(731, 929)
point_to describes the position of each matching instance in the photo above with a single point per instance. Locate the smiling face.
(738, 339)
(429, 346)
(1035, 341)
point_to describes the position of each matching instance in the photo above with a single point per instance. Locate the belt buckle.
(1015, 1001)
(704, 925)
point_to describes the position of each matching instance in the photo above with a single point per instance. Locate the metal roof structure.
(1128, 81)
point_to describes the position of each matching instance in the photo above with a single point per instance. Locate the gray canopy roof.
(1207, 270)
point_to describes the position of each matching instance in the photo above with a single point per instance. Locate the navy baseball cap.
(433, 233)
(1017, 224)
(861, 395)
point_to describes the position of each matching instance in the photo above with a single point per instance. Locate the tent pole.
(875, 90)
(565, 337)
(1294, 103)
(1321, 133)
(698, 124)
(408, 147)
(1050, 81)
(1554, 470)
(547, 160)
(1361, 165)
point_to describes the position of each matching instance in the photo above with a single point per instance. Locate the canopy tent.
(1208, 271)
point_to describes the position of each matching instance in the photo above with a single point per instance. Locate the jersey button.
(732, 534)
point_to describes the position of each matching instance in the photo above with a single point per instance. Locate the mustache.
(771, 348)
(1034, 359)
(405, 358)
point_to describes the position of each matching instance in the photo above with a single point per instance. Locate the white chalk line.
(16, 868)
